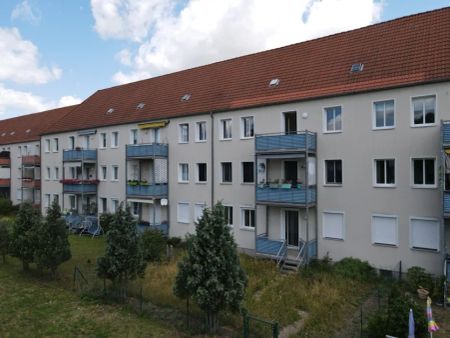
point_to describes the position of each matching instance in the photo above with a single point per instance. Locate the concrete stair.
(290, 265)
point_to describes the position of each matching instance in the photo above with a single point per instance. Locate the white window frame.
(242, 124)
(104, 210)
(232, 214)
(423, 186)
(180, 172)
(374, 173)
(438, 234)
(19, 151)
(188, 208)
(372, 229)
(56, 173)
(325, 124)
(243, 226)
(47, 145)
(71, 142)
(324, 212)
(19, 194)
(114, 170)
(222, 123)
(374, 115)
(47, 200)
(103, 174)
(222, 172)
(134, 133)
(114, 205)
(197, 179)
(327, 184)
(180, 134)
(103, 142)
(55, 145)
(242, 172)
(197, 131)
(435, 111)
(74, 199)
(115, 139)
(48, 173)
(197, 214)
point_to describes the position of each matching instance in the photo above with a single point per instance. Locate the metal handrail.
(298, 132)
(282, 257)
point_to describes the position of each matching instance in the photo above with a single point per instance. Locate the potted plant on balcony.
(286, 184)
(133, 183)
(299, 184)
(274, 184)
(144, 183)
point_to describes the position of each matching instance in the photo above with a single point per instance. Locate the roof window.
(274, 83)
(28, 130)
(185, 97)
(12, 133)
(140, 105)
(3, 134)
(357, 67)
(110, 111)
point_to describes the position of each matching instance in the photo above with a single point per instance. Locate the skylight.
(3, 134)
(357, 67)
(185, 97)
(109, 111)
(28, 130)
(274, 82)
(12, 133)
(140, 105)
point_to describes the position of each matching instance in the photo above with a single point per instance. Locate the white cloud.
(205, 31)
(20, 60)
(25, 12)
(68, 101)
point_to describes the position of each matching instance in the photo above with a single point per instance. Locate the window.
(247, 127)
(115, 139)
(19, 152)
(198, 210)
(248, 172)
(201, 172)
(384, 229)
(248, 218)
(333, 171)
(55, 145)
(227, 175)
(102, 144)
(183, 214)
(115, 173)
(56, 198)
(71, 142)
(333, 225)
(385, 172)
(19, 194)
(183, 172)
(333, 119)
(225, 129)
(183, 130)
(135, 208)
(25, 150)
(424, 110)
(104, 204)
(133, 136)
(201, 131)
(424, 233)
(48, 173)
(47, 145)
(383, 114)
(73, 173)
(72, 202)
(155, 136)
(228, 214)
(424, 172)
(103, 173)
(87, 141)
(56, 173)
(47, 199)
(114, 205)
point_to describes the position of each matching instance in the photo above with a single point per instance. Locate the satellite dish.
(164, 201)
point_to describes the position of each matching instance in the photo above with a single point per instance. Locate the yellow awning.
(447, 151)
(149, 125)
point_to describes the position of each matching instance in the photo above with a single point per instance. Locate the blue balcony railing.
(147, 150)
(79, 188)
(286, 142)
(153, 190)
(80, 154)
(286, 196)
(163, 227)
(266, 246)
(447, 202)
(446, 133)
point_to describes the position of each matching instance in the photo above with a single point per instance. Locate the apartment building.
(330, 146)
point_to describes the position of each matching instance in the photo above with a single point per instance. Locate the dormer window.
(357, 67)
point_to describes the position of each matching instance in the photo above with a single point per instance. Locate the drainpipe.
(212, 157)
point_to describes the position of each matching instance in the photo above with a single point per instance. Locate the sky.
(55, 53)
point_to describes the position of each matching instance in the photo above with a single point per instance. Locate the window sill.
(385, 245)
(332, 131)
(247, 183)
(180, 222)
(334, 239)
(383, 128)
(114, 180)
(226, 183)
(225, 139)
(335, 185)
(183, 182)
(201, 182)
(114, 147)
(423, 186)
(385, 186)
(424, 125)
(434, 251)
(244, 228)
(200, 141)
(247, 137)
(180, 142)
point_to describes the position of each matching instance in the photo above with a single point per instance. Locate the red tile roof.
(27, 128)
(402, 52)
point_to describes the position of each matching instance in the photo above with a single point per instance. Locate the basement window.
(140, 105)
(357, 67)
(185, 97)
(274, 83)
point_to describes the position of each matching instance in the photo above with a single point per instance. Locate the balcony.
(286, 143)
(31, 160)
(147, 191)
(31, 183)
(445, 131)
(78, 155)
(285, 196)
(5, 182)
(77, 186)
(149, 150)
(144, 226)
(5, 162)
(447, 203)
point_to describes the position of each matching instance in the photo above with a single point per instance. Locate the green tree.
(123, 260)
(53, 244)
(24, 234)
(153, 245)
(210, 272)
(5, 238)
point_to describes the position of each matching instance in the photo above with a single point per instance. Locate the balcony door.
(290, 122)
(291, 227)
(291, 171)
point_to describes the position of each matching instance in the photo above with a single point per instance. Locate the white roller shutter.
(384, 229)
(183, 213)
(425, 233)
(333, 225)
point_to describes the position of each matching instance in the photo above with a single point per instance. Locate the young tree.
(211, 273)
(123, 260)
(4, 239)
(53, 244)
(24, 234)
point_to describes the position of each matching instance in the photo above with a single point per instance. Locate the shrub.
(153, 245)
(4, 239)
(354, 268)
(105, 221)
(6, 206)
(174, 241)
(417, 277)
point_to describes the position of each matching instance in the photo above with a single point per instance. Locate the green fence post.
(276, 330)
